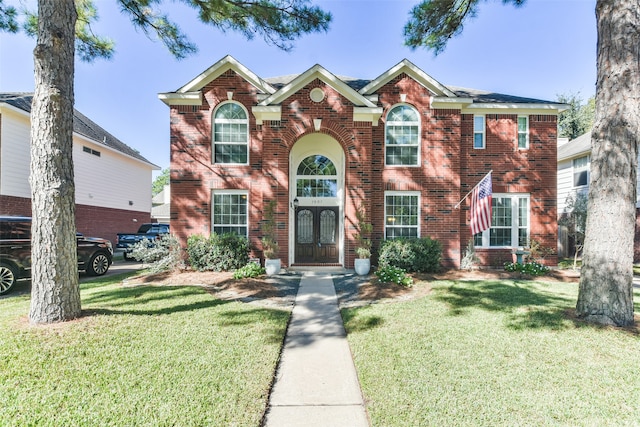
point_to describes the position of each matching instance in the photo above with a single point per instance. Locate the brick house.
(112, 180)
(404, 146)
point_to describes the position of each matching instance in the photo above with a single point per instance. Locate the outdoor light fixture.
(296, 203)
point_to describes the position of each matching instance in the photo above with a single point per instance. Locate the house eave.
(187, 98)
(367, 114)
(268, 112)
(525, 108)
(407, 67)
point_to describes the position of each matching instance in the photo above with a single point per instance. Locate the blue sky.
(540, 50)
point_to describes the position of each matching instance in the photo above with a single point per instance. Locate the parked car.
(94, 254)
(150, 231)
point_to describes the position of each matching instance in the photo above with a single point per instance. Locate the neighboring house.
(112, 180)
(574, 164)
(403, 145)
(161, 204)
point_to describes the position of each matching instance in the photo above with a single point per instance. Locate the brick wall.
(449, 166)
(92, 221)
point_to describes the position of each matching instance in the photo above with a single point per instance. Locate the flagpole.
(474, 187)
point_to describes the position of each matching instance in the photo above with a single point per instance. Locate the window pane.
(522, 140)
(478, 140)
(522, 124)
(478, 123)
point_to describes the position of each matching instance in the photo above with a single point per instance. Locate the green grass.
(141, 356)
(493, 353)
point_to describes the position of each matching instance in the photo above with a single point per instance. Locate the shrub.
(530, 268)
(252, 269)
(162, 254)
(218, 252)
(390, 274)
(413, 255)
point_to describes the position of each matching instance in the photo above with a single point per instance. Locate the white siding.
(110, 180)
(565, 183)
(14, 157)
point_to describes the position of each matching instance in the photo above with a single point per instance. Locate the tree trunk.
(606, 283)
(55, 294)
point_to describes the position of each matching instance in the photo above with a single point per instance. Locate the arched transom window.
(402, 136)
(231, 134)
(316, 177)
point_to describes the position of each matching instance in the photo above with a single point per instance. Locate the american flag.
(481, 206)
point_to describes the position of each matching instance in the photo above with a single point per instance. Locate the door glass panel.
(305, 226)
(327, 227)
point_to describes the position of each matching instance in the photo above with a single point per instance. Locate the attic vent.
(316, 94)
(91, 151)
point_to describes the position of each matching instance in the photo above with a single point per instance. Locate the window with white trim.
(509, 222)
(478, 132)
(401, 214)
(523, 132)
(229, 212)
(402, 136)
(581, 171)
(316, 177)
(231, 134)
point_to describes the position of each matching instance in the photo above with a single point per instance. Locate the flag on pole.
(481, 206)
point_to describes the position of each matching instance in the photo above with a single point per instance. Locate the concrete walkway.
(316, 382)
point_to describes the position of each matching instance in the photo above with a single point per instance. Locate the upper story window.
(523, 132)
(581, 171)
(231, 134)
(316, 177)
(478, 132)
(402, 136)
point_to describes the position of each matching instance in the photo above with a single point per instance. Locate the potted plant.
(270, 246)
(362, 264)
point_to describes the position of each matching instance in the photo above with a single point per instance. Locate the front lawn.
(493, 353)
(140, 356)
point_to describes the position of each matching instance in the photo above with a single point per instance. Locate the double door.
(317, 234)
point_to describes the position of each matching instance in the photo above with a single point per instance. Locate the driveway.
(119, 266)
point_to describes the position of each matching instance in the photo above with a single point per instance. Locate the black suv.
(94, 255)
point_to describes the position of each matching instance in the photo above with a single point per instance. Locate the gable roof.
(82, 125)
(361, 92)
(317, 72)
(577, 147)
(190, 94)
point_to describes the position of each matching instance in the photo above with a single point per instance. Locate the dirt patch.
(279, 291)
(220, 284)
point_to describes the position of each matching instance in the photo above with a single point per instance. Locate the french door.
(317, 234)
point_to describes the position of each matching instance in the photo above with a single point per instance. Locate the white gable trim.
(188, 98)
(317, 71)
(213, 72)
(405, 66)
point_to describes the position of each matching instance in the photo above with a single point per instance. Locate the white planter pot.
(362, 266)
(272, 266)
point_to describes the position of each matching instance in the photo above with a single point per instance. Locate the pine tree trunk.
(55, 294)
(606, 283)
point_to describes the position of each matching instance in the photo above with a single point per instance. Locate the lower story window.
(230, 212)
(509, 222)
(401, 217)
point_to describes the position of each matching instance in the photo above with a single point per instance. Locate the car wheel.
(8, 277)
(126, 256)
(98, 264)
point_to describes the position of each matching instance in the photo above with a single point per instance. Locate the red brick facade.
(448, 166)
(92, 221)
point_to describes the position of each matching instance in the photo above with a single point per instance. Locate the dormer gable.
(407, 67)
(191, 93)
(321, 73)
(364, 109)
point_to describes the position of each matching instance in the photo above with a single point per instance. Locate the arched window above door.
(316, 176)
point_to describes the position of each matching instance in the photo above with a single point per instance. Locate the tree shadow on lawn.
(525, 306)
